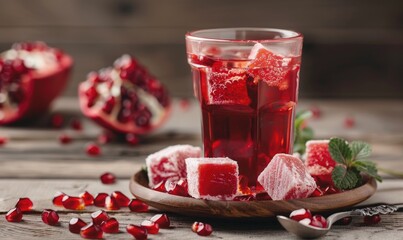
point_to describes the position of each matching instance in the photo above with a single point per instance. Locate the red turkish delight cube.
(212, 178)
(286, 177)
(319, 162)
(169, 163)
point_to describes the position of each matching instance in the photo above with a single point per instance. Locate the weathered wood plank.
(41, 192)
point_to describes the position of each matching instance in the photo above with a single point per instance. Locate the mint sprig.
(302, 133)
(347, 174)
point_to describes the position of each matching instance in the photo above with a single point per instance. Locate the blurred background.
(352, 49)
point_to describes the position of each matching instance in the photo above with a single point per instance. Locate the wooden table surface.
(33, 164)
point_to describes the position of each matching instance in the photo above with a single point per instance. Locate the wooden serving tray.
(251, 209)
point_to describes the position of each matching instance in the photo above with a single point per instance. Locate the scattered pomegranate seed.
(184, 104)
(73, 203)
(3, 140)
(56, 120)
(371, 220)
(99, 200)
(58, 198)
(202, 229)
(136, 205)
(99, 216)
(160, 187)
(317, 193)
(318, 221)
(105, 137)
(345, 221)
(14, 215)
(92, 149)
(305, 221)
(298, 215)
(110, 226)
(132, 139)
(24, 204)
(65, 138)
(349, 122)
(111, 203)
(50, 217)
(177, 188)
(152, 227)
(87, 198)
(316, 112)
(108, 178)
(76, 125)
(138, 232)
(91, 231)
(162, 220)
(76, 224)
(121, 199)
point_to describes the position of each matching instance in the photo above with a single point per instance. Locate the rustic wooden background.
(352, 48)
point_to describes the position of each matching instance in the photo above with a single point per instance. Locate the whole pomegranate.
(32, 75)
(124, 98)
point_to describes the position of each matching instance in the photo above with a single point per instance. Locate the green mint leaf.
(368, 168)
(340, 151)
(345, 178)
(302, 134)
(300, 117)
(360, 150)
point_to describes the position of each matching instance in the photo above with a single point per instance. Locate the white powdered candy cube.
(286, 177)
(169, 163)
(212, 178)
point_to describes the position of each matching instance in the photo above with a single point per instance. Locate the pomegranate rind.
(169, 163)
(286, 177)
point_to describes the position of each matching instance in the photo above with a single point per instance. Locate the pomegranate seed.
(99, 200)
(87, 198)
(371, 220)
(121, 199)
(76, 125)
(76, 224)
(92, 95)
(73, 203)
(184, 104)
(162, 220)
(298, 215)
(14, 215)
(105, 138)
(64, 139)
(91, 231)
(58, 198)
(349, 122)
(202, 229)
(111, 203)
(3, 140)
(305, 221)
(138, 232)
(177, 188)
(50, 217)
(136, 205)
(24, 204)
(110, 226)
(132, 139)
(152, 227)
(317, 193)
(160, 187)
(93, 150)
(109, 104)
(345, 221)
(318, 221)
(316, 112)
(56, 120)
(99, 216)
(108, 178)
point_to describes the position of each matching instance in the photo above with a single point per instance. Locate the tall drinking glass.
(246, 80)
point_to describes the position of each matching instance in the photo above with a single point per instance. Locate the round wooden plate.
(252, 209)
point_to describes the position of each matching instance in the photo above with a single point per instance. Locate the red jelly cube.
(286, 177)
(319, 162)
(212, 178)
(169, 163)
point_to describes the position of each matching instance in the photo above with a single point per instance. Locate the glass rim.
(290, 35)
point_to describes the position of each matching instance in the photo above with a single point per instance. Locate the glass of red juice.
(246, 80)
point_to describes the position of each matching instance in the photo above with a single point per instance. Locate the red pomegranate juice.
(247, 105)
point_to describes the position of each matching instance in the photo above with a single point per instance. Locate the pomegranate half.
(124, 98)
(32, 75)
